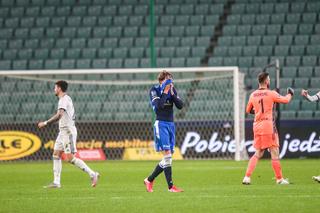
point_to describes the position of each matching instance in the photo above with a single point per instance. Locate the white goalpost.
(211, 125)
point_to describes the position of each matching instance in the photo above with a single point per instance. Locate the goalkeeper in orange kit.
(261, 104)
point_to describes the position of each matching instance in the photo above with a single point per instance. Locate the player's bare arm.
(53, 119)
(310, 98)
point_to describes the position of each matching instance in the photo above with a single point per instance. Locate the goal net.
(113, 110)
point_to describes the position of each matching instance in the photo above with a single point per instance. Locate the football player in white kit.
(66, 140)
(312, 98)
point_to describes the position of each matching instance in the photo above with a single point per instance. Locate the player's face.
(56, 90)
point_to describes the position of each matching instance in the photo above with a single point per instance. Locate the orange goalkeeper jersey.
(261, 101)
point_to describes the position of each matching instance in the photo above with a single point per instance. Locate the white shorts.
(66, 141)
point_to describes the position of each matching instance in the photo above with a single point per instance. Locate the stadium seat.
(177, 62)
(293, 61)
(286, 82)
(281, 50)
(315, 39)
(305, 71)
(305, 105)
(115, 63)
(262, 19)
(131, 63)
(289, 72)
(41, 53)
(253, 40)
(258, 30)
(187, 41)
(266, 50)
(52, 64)
(301, 82)
(19, 64)
(313, 50)
(315, 82)
(297, 50)
(67, 64)
(83, 63)
(137, 52)
(290, 114)
(309, 60)
(36, 64)
(99, 63)
(215, 61)
(83, 32)
(269, 40)
(193, 62)
(285, 40)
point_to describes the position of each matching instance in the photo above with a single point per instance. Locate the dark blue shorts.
(164, 136)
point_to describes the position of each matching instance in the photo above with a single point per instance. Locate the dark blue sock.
(155, 173)
(168, 174)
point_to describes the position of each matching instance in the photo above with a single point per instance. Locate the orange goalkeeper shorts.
(266, 141)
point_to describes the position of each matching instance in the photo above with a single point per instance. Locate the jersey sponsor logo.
(17, 144)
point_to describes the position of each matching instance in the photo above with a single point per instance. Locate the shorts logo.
(16, 144)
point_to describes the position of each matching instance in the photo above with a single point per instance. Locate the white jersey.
(67, 121)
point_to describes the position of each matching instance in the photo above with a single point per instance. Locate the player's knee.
(56, 157)
(259, 154)
(166, 161)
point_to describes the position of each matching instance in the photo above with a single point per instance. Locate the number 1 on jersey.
(261, 103)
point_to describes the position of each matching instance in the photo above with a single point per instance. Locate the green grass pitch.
(210, 186)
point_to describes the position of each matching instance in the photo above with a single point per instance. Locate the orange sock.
(277, 168)
(252, 165)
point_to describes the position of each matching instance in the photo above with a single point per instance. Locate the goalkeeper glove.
(290, 91)
(164, 84)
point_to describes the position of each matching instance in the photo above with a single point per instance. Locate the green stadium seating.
(301, 82)
(306, 114)
(290, 114)
(297, 50)
(269, 40)
(99, 63)
(309, 60)
(313, 50)
(193, 62)
(67, 64)
(253, 40)
(83, 64)
(131, 63)
(36, 64)
(258, 30)
(289, 72)
(315, 39)
(293, 61)
(265, 50)
(305, 71)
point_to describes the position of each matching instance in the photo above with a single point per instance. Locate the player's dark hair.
(163, 75)
(262, 77)
(63, 85)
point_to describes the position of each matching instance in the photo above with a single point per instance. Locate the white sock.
(82, 165)
(57, 167)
